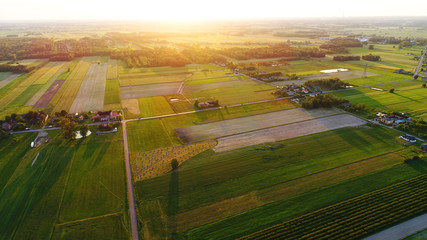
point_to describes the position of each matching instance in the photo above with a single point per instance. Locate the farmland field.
(287, 131)
(408, 97)
(161, 132)
(7, 78)
(142, 78)
(30, 85)
(112, 70)
(44, 196)
(47, 84)
(92, 91)
(246, 124)
(65, 96)
(249, 182)
(152, 106)
(149, 90)
(112, 92)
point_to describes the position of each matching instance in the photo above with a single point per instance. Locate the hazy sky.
(200, 9)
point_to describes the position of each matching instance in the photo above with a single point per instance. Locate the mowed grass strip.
(154, 106)
(92, 90)
(218, 210)
(65, 96)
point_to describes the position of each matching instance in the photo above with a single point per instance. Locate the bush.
(174, 164)
(391, 90)
(424, 85)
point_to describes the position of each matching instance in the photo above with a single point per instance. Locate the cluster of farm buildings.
(392, 119)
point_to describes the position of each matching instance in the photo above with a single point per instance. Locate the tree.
(416, 77)
(68, 128)
(84, 129)
(174, 164)
(424, 85)
(391, 90)
(119, 118)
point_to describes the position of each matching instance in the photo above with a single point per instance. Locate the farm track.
(129, 184)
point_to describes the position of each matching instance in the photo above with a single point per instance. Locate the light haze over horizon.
(203, 10)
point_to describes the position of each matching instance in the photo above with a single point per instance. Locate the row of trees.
(329, 84)
(346, 58)
(370, 57)
(272, 51)
(321, 100)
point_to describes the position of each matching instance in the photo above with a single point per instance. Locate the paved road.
(420, 63)
(129, 183)
(401, 230)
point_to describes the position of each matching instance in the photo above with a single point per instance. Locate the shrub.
(391, 90)
(174, 164)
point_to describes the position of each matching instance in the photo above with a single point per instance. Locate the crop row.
(157, 162)
(356, 217)
(64, 98)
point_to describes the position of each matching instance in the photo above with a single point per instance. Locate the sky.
(11, 10)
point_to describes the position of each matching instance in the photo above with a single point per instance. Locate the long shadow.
(23, 195)
(411, 99)
(173, 203)
(419, 165)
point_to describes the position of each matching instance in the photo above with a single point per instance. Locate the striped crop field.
(65, 96)
(92, 91)
(356, 217)
(39, 76)
(47, 84)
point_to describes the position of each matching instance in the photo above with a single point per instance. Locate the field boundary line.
(63, 194)
(87, 219)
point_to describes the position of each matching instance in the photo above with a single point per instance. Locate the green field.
(153, 106)
(112, 92)
(213, 186)
(70, 183)
(409, 97)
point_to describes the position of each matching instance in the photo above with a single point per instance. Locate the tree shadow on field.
(410, 99)
(420, 165)
(173, 203)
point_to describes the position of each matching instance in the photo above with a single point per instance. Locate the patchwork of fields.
(243, 168)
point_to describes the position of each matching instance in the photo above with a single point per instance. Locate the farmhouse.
(6, 126)
(105, 116)
(392, 119)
